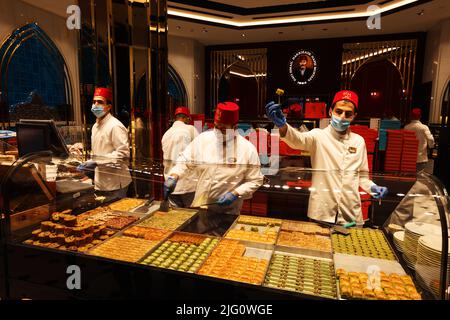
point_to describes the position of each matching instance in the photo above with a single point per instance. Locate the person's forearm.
(283, 130)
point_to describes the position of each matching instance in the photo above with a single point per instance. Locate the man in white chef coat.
(227, 166)
(424, 136)
(174, 142)
(342, 156)
(110, 149)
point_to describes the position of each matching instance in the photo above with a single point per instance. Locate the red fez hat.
(416, 113)
(103, 92)
(182, 110)
(346, 95)
(227, 113)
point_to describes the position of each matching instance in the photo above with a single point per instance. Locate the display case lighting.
(298, 188)
(277, 186)
(285, 187)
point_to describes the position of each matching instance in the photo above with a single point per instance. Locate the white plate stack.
(428, 265)
(413, 231)
(399, 238)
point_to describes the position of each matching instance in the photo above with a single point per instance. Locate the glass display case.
(280, 242)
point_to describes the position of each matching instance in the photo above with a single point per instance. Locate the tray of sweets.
(305, 227)
(266, 233)
(65, 231)
(172, 220)
(120, 247)
(375, 284)
(182, 252)
(126, 204)
(293, 271)
(309, 244)
(237, 261)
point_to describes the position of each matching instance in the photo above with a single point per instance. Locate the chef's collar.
(178, 123)
(337, 135)
(106, 118)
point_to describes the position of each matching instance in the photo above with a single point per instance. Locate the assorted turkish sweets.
(91, 232)
(254, 234)
(255, 229)
(126, 204)
(227, 261)
(146, 233)
(305, 227)
(259, 221)
(171, 220)
(65, 232)
(304, 241)
(363, 242)
(359, 285)
(302, 274)
(124, 248)
(119, 223)
(183, 252)
(100, 214)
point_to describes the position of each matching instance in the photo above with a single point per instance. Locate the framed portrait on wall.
(303, 67)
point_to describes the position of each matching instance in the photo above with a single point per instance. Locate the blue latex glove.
(88, 168)
(227, 199)
(275, 114)
(169, 186)
(381, 192)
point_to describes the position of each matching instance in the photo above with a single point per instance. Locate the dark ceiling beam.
(211, 5)
(411, 5)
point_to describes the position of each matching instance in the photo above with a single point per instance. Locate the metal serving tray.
(299, 253)
(152, 211)
(237, 225)
(168, 239)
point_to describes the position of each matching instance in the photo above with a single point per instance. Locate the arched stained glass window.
(176, 89)
(34, 78)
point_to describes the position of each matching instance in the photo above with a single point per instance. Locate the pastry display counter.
(127, 248)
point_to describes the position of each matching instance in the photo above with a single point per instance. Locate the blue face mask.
(339, 124)
(98, 111)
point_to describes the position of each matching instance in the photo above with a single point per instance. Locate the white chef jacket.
(110, 149)
(341, 161)
(425, 138)
(221, 168)
(174, 142)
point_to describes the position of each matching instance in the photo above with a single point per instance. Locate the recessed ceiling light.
(421, 13)
(280, 32)
(243, 34)
(204, 30)
(178, 27)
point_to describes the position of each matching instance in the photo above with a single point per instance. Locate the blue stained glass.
(32, 64)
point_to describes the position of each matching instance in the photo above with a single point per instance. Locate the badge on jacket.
(352, 149)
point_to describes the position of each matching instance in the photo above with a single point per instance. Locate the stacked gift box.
(257, 205)
(370, 137)
(393, 150)
(401, 151)
(384, 126)
(409, 151)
